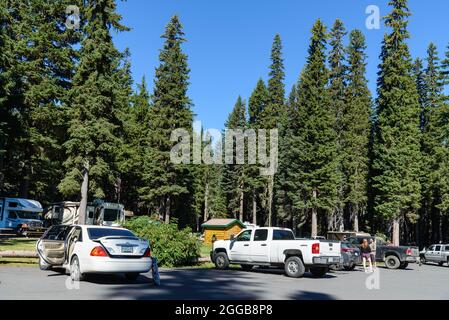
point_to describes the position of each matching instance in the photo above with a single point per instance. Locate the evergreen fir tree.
(96, 106)
(356, 125)
(397, 149)
(166, 185)
(337, 94)
(314, 149)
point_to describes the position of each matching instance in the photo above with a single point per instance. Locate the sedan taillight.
(98, 252)
(147, 252)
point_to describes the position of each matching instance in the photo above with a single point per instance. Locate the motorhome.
(106, 213)
(21, 216)
(65, 213)
(98, 212)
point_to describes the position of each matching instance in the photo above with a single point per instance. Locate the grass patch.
(205, 249)
(18, 244)
(19, 262)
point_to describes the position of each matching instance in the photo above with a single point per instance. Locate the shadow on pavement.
(194, 284)
(308, 295)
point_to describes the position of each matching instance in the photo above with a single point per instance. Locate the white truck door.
(437, 254)
(260, 249)
(429, 253)
(240, 247)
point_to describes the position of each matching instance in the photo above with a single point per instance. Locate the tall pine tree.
(397, 148)
(167, 185)
(356, 125)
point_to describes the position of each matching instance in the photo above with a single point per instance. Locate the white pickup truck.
(277, 247)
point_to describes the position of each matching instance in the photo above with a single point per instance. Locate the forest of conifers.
(348, 158)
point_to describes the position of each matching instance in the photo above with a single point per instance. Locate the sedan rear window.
(95, 233)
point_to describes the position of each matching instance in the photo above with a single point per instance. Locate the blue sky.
(229, 41)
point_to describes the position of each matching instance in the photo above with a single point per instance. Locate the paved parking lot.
(425, 282)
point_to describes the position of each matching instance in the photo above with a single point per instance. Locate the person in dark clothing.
(366, 255)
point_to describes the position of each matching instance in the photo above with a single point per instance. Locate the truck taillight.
(345, 250)
(98, 252)
(316, 248)
(408, 252)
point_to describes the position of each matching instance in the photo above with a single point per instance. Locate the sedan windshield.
(95, 233)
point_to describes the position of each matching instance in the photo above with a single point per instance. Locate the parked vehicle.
(98, 212)
(436, 253)
(277, 247)
(84, 249)
(21, 217)
(395, 257)
(66, 213)
(351, 255)
(104, 213)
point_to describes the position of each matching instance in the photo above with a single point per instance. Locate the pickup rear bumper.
(327, 261)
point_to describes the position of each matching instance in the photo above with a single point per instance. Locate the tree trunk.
(314, 216)
(270, 199)
(241, 206)
(395, 232)
(356, 218)
(167, 210)
(254, 208)
(206, 203)
(84, 193)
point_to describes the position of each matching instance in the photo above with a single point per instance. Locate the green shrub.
(171, 246)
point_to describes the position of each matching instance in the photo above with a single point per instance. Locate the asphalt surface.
(425, 282)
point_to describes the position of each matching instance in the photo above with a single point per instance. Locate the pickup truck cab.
(436, 253)
(277, 247)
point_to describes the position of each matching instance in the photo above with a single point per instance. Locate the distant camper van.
(21, 216)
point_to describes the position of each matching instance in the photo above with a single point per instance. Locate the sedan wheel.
(75, 272)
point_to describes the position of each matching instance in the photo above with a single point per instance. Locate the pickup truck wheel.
(403, 265)
(294, 267)
(221, 261)
(246, 267)
(318, 272)
(392, 262)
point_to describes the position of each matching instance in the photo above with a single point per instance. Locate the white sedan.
(83, 249)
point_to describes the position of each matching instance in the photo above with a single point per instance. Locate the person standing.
(372, 245)
(366, 255)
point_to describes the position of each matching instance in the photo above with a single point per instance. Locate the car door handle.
(246, 245)
(263, 244)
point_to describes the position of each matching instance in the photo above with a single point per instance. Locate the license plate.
(331, 259)
(127, 249)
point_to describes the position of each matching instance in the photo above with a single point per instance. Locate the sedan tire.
(294, 267)
(75, 272)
